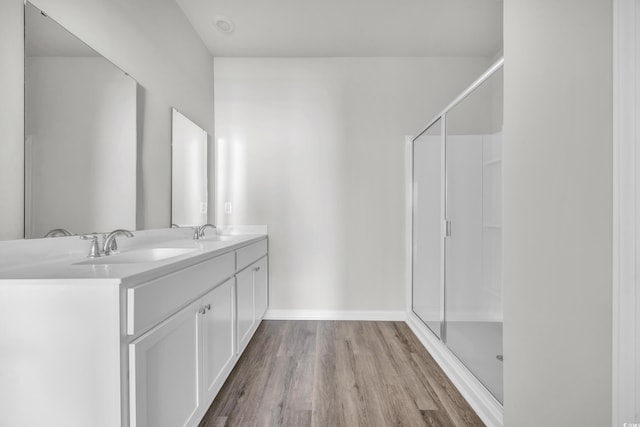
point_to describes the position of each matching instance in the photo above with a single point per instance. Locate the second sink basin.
(139, 256)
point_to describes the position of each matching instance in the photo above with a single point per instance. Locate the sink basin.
(217, 238)
(139, 256)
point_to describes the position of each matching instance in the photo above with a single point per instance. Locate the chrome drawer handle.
(257, 268)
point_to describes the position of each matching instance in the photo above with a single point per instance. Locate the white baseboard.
(390, 315)
(463, 315)
(486, 406)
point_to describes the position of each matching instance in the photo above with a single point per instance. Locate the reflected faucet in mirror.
(58, 232)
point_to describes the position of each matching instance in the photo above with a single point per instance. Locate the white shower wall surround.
(475, 213)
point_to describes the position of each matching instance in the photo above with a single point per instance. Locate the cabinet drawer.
(250, 253)
(150, 303)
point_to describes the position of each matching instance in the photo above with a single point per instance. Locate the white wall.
(149, 39)
(314, 148)
(558, 213)
(11, 119)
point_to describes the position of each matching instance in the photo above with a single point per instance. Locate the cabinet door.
(218, 349)
(246, 306)
(163, 372)
(260, 280)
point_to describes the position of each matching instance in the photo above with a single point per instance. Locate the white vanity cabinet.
(177, 367)
(128, 345)
(252, 300)
(218, 326)
(245, 293)
(261, 287)
(164, 374)
(251, 290)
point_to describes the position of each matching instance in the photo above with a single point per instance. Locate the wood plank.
(326, 410)
(401, 350)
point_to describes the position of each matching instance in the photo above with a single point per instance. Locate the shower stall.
(456, 230)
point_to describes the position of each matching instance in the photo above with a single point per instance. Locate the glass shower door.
(428, 192)
(473, 264)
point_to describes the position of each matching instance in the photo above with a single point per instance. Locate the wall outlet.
(228, 208)
(203, 207)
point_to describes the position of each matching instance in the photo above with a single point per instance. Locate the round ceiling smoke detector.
(223, 24)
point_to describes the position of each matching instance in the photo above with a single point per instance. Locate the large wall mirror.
(80, 134)
(189, 193)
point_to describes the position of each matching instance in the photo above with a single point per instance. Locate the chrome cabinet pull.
(257, 268)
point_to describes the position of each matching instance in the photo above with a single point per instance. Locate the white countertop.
(62, 267)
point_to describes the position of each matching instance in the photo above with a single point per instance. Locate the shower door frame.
(626, 206)
(445, 223)
(488, 408)
(443, 214)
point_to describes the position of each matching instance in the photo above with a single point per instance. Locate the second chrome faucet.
(198, 232)
(110, 245)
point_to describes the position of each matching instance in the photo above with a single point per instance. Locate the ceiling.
(350, 28)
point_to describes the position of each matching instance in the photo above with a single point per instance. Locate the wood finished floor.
(337, 373)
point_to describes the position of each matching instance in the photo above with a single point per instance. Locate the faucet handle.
(94, 252)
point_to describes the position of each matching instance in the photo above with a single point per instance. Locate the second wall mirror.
(189, 189)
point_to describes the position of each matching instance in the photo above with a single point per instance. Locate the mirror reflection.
(189, 190)
(80, 134)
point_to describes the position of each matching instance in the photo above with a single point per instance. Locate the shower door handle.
(447, 228)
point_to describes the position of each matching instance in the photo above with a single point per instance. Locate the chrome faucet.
(110, 246)
(56, 232)
(199, 231)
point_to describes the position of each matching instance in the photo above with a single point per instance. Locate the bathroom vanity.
(146, 337)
